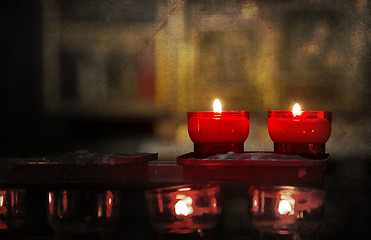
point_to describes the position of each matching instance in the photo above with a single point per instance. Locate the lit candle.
(299, 132)
(218, 132)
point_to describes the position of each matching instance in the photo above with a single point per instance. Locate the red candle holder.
(183, 209)
(303, 133)
(218, 132)
(296, 212)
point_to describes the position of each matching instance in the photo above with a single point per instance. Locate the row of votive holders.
(305, 132)
(290, 212)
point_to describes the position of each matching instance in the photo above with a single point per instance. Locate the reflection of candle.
(1, 200)
(286, 209)
(11, 209)
(296, 132)
(109, 204)
(184, 208)
(51, 202)
(3, 210)
(217, 131)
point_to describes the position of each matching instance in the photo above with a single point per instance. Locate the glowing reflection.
(51, 202)
(100, 208)
(184, 206)
(100, 211)
(284, 207)
(214, 205)
(255, 205)
(12, 199)
(64, 201)
(109, 202)
(3, 210)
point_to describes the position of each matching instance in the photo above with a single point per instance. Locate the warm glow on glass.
(100, 210)
(51, 202)
(109, 202)
(3, 211)
(12, 199)
(184, 207)
(64, 201)
(217, 106)
(296, 111)
(284, 207)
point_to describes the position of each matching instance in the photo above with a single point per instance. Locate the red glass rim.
(304, 114)
(185, 187)
(84, 191)
(215, 114)
(287, 188)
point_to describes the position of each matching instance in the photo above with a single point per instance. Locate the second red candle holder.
(303, 133)
(218, 132)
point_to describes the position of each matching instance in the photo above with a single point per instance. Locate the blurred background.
(120, 75)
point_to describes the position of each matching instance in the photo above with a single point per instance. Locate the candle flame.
(217, 106)
(296, 111)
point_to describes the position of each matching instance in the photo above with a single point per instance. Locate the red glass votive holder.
(296, 212)
(12, 209)
(305, 133)
(183, 209)
(83, 213)
(218, 132)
